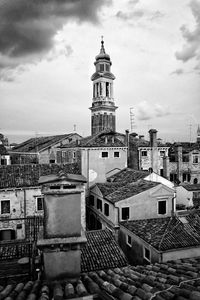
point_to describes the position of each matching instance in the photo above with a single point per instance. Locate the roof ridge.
(165, 233)
(93, 137)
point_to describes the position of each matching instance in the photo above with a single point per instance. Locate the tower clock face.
(92, 175)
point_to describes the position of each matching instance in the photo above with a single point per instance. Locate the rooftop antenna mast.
(132, 119)
(74, 127)
(190, 131)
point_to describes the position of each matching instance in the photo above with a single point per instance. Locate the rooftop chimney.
(64, 225)
(153, 137)
(154, 150)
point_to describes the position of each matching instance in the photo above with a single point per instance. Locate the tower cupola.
(103, 106)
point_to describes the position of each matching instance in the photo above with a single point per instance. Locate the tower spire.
(103, 106)
(102, 50)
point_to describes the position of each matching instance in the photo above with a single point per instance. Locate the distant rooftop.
(128, 175)
(115, 192)
(191, 187)
(40, 143)
(16, 176)
(102, 139)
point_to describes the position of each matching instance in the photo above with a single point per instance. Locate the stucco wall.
(17, 199)
(113, 211)
(183, 196)
(181, 253)
(135, 252)
(144, 205)
(97, 167)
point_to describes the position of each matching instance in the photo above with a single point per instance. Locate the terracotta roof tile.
(114, 192)
(129, 282)
(40, 143)
(192, 187)
(103, 139)
(14, 176)
(128, 175)
(168, 233)
(101, 251)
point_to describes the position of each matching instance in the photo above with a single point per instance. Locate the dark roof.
(128, 175)
(115, 192)
(40, 143)
(192, 187)
(3, 150)
(61, 175)
(103, 139)
(101, 252)
(15, 176)
(186, 146)
(168, 233)
(162, 281)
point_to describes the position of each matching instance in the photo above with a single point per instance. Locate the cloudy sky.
(47, 51)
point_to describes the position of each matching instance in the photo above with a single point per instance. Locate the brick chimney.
(154, 150)
(64, 225)
(179, 159)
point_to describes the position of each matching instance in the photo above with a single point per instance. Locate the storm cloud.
(191, 48)
(28, 27)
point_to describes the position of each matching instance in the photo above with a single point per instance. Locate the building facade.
(21, 196)
(111, 203)
(184, 163)
(99, 156)
(40, 150)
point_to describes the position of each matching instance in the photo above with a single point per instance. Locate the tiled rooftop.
(192, 187)
(177, 280)
(15, 176)
(101, 252)
(40, 143)
(114, 192)
(128, 175)
(103, 139)
(168, 233)
(3, 150)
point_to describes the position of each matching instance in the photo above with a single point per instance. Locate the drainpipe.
(88, 165)
(127, 145)
(24, 203)
(173, 212)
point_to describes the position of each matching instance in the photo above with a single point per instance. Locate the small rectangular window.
(39, 203)
(162, 207)
(101, 67)
(106, 209)
(147, 254)
(107, 68)
(116, 153)
(52, 161)
(129, 240)
(144, 153)
(99, 204)
(162, 153)
(91, 200)
(185, 158)
(125, 213)
(5, 207)
(173, 177)
(104, 154)
(195, 159)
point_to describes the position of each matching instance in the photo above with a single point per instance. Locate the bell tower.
(103, 106)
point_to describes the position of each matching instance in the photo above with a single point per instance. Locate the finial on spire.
(102, 45)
